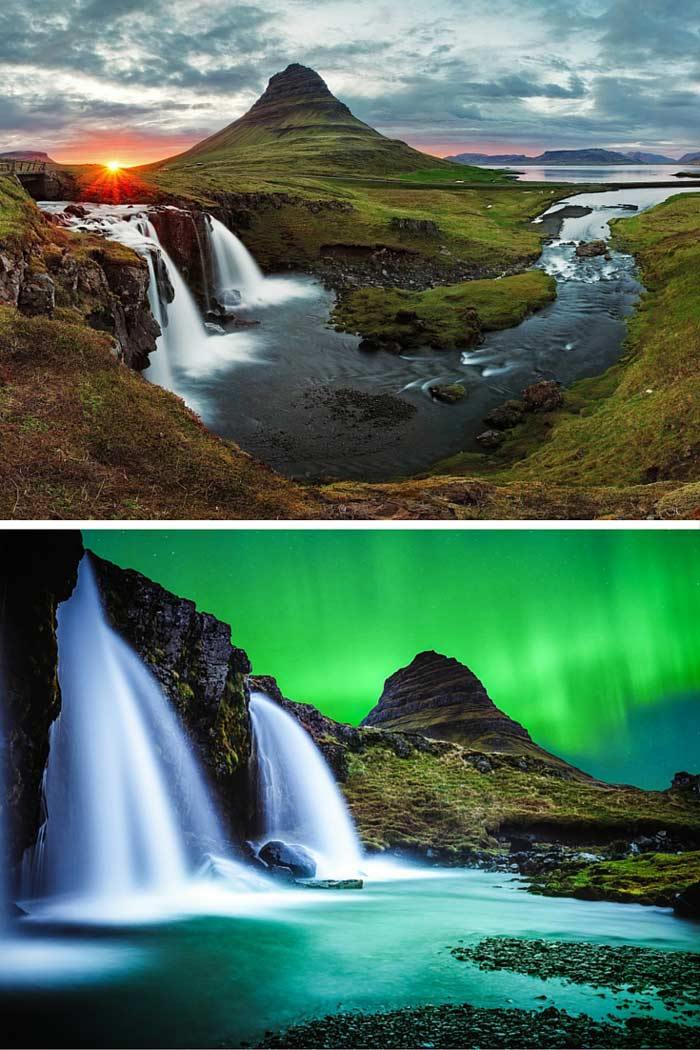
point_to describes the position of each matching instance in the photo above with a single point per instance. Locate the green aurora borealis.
(589, 638)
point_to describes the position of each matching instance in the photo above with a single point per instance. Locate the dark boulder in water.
(589, 249)
(447, 392)
(687, 902)
(293, 857)
(331, 884)
(505, 416)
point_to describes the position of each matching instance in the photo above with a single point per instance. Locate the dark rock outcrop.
(37, 571)
(545, 396)
(416, 227)
(289, 857)
(490, 439)
(185, 236)
(204, 675)
(127, 312)
(687, 902)
(505, 416)
(591, 249)
(37, 295)
(689, 782)
(439, 697)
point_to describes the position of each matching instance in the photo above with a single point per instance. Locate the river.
(222, 967)
(300, 396)
(598, 173)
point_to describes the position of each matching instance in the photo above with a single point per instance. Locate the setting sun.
(113, 165)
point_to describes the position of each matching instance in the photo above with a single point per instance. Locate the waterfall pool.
(215, 975)
(301, 397)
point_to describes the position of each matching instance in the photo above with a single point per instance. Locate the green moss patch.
(446, 318)
(648, 878)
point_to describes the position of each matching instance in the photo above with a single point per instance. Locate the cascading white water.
(127, 809)
(237, 277)
(299, 799)
(4, 857)
(181, 344)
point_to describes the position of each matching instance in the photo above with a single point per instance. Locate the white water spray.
(299, 798)
(239, 281)
(182, 342)
(237, 277)
(127, 810)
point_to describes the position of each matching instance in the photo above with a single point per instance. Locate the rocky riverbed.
(463, 1026)
(674, 977)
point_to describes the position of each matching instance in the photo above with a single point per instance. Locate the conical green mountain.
(298, 126)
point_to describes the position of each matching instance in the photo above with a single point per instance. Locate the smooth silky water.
(298, 798)
(280, 389)
(225, 979)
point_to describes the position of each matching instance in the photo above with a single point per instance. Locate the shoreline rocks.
(461, 1026)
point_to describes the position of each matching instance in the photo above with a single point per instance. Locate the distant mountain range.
(573, 156)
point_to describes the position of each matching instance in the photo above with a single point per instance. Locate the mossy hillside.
(443, 313)
(442, 802)
(647, 878)
(286, 221)
(85, 437)
(640, 421)
(18, 215)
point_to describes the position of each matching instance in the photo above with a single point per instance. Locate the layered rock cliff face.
(37, 571)
(439, 697)
(204, 675)
(184, 234)
(48, 271)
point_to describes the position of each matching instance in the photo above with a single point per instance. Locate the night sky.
(590, 639)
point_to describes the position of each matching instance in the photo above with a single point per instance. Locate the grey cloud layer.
(549, 73)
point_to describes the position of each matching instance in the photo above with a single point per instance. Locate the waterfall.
(4, 852)
(299, 799)
(238, 278)
(126, 806)
(181, 344)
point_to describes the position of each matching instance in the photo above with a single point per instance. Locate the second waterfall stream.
(298, 798)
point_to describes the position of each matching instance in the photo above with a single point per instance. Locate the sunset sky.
(138, 80)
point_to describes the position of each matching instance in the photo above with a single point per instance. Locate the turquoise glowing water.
(251, 962)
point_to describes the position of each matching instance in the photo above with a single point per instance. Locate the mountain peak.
(297, 89)
(295, 82)
(298, 124)
(437, 696)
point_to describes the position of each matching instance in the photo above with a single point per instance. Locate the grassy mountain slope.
(297, 125)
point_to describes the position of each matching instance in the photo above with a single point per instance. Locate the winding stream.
(301, 397)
